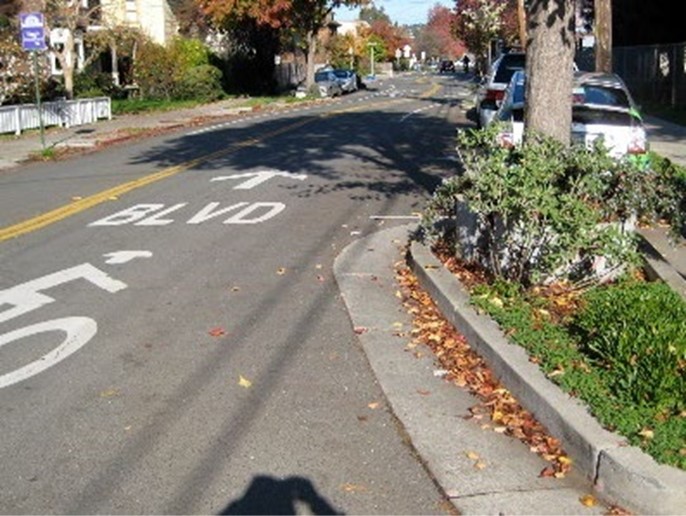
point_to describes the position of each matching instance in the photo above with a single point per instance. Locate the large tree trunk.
(603, 36)
(549, 68)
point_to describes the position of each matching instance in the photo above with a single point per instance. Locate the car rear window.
(509, 64)
(600, 96)
(321, 76)
(588, 116)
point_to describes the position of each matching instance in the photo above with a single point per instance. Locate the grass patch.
(136, 106)
(597, 349)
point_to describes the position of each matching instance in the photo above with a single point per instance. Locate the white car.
(602, 107)
(492, 88)
(327, 83)
(347, 79)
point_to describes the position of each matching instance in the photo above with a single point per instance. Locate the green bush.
(89, 83)
(201, 83)
(673, 198)
(545, 212)
(155, 72)
(636, 332)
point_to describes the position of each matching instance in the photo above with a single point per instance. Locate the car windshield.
(343, 74)
(321, 76)
(509, 64)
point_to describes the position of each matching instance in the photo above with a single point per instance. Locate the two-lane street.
(172, 338)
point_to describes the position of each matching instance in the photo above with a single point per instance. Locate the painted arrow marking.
(257, 178)
(118, 257)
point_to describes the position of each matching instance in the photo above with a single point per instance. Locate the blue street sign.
(32, 31)
(31, 20)
(33, 39)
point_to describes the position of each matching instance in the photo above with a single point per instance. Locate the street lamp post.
(371, 46)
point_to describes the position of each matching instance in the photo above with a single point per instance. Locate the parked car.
(327, 83)
(347, 79)
(492, 88)
(602, 107)
(446, 66)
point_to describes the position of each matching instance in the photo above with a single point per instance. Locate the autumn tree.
(440, 26)
(478, 23)
(391, 36)
(549, 68)
(303, 18)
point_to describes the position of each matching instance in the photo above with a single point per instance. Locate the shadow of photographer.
(270, 495)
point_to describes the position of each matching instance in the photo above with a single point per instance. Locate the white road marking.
(395, 217)
(79, 330)
(257, 178)
(119, 257)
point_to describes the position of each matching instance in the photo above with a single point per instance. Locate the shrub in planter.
(543, 211)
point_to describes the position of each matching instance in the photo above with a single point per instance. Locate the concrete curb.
(622, 474)
(433, 412)
(657, 267)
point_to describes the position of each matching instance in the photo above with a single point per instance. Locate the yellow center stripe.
(80, 205)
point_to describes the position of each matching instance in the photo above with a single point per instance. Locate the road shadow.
(373, 153)
(270, 495)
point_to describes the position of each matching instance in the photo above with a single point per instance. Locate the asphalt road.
(172, 339)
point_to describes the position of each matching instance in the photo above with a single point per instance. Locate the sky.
(404, 12)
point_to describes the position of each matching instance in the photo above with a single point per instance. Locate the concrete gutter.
(622, 474)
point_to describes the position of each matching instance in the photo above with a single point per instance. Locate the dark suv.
(446, 67)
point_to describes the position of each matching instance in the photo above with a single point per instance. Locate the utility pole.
(521, 22)
(603, 35)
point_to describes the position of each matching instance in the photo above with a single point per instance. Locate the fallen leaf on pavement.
(353, 488)
(360, 330)
(588, 501)
(109, 393)
(471, 455)
(374, 405)
(281, 271)
(423, 392)
(217, 331)
(479, 465)
(244, 382)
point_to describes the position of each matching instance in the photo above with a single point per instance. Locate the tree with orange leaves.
(304, 18)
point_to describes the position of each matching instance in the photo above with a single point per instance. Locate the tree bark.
(549, 68)
(521, 23)
(311, 53)
(603, 36)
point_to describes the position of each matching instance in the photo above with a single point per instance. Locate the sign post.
(32, 26)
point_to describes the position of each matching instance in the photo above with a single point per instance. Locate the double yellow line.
(52, 216)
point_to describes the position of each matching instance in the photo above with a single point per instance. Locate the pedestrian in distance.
(465, 63)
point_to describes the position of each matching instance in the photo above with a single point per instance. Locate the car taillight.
(637, 144)
(494, 95)
(505, 139)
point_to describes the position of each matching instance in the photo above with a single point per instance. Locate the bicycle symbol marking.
(79, 330)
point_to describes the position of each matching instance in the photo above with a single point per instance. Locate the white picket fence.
(64, 113)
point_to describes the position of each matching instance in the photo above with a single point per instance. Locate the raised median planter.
(622, 474)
